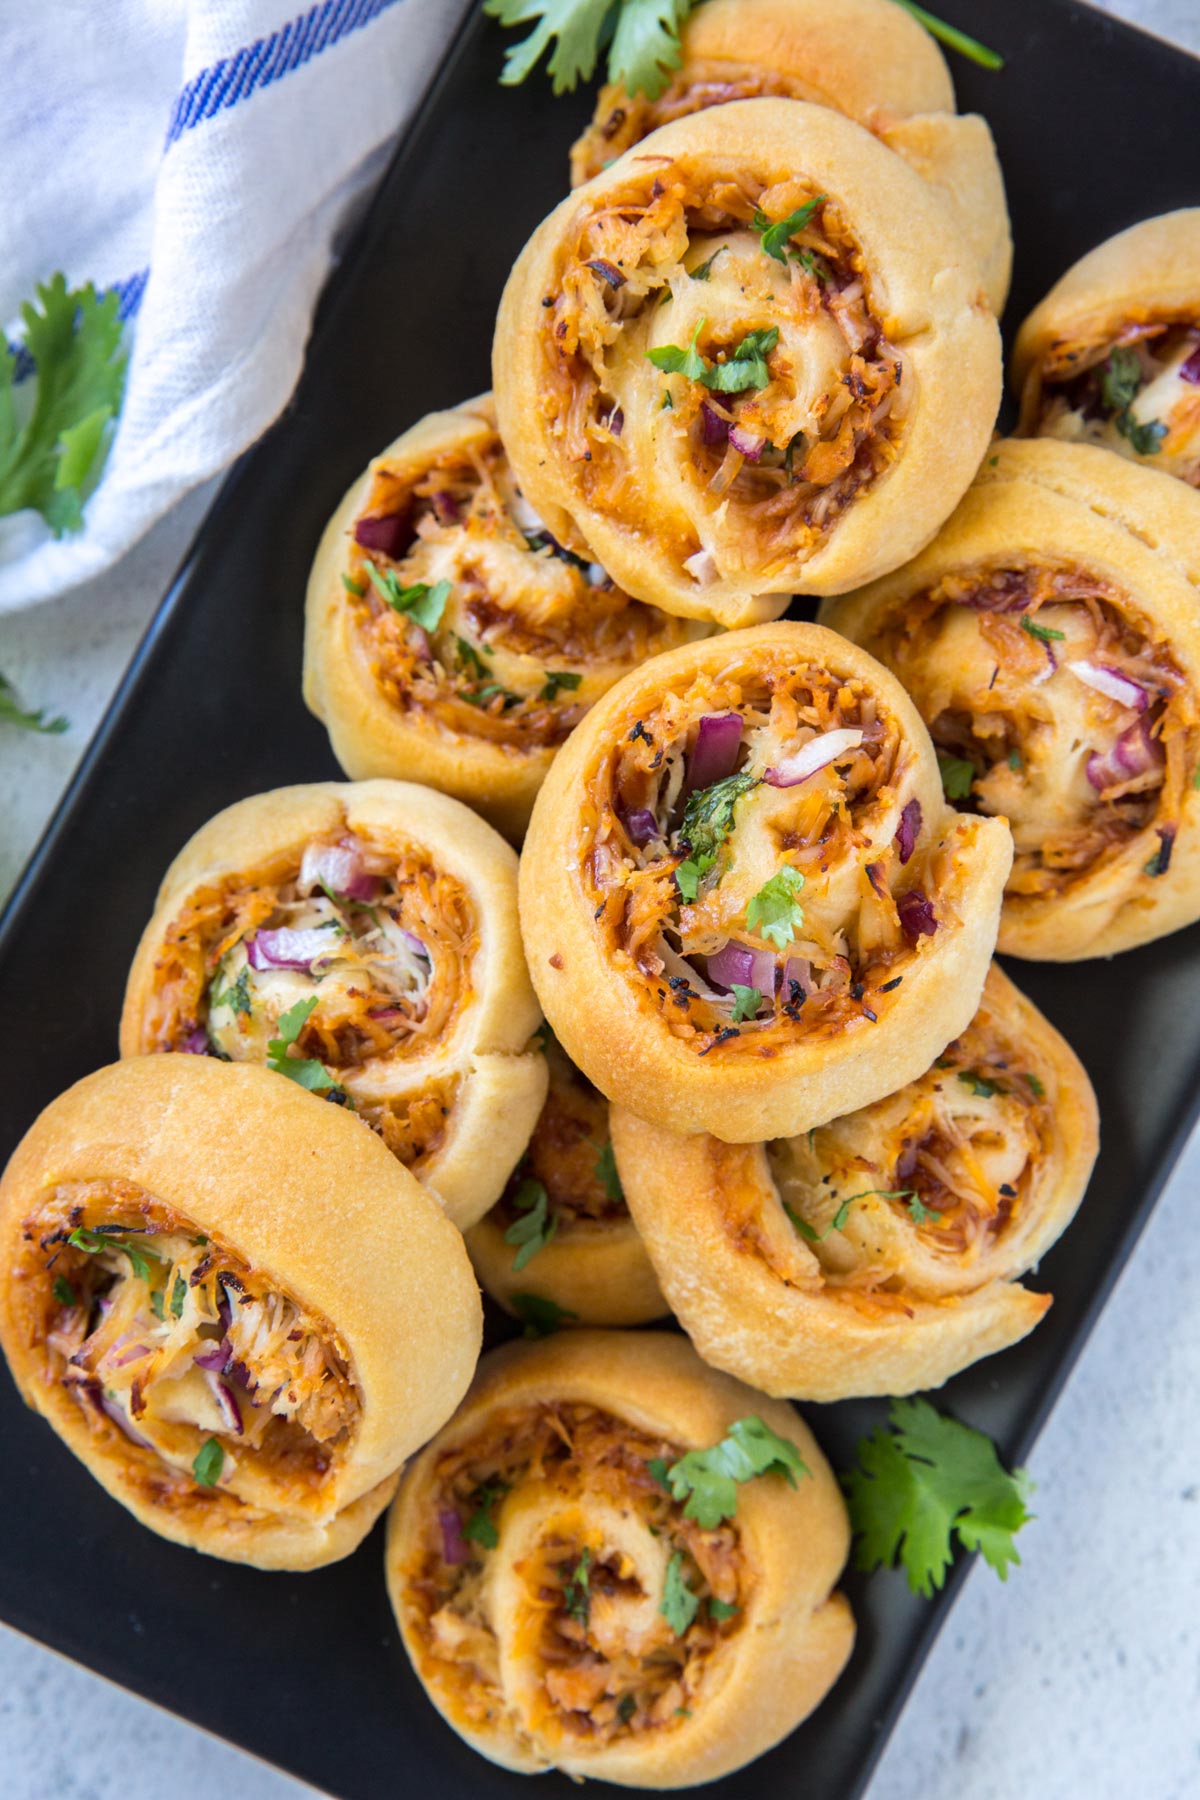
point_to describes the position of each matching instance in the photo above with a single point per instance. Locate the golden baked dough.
(1111, 356)
(868, 59)
(513, 634)
(883, 1252)
(1050, 638)
(531, 1550)
(746, 905)
(387, 911)
(729, 423)
(560, 1238)
(283, 1316)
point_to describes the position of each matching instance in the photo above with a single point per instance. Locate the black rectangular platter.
(307, 1671)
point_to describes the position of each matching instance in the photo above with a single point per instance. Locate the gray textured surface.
(1079, 1677)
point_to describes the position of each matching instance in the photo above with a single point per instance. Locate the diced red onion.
(1136, 752)
(386, 1015)
(906, 1162)
(676, 967)
(917, 917)
(818, 753)
(447, 509)
(237, 1371)
(702, 567)
(415, 943)
(195, 1043)
(1189, 370)
(216, 1358)
(112, 1411)
(134, 1353)
(742, 965)
(642, 827)
(455, 1548)
(615, 421)
(908, 831)
(1051, 664)
(607, 272)
(227, 1405)
(338, 867)
(389, 533)
(1111, 683)
(747, 443)
(797, 969)
(288, 949)
(714, 429)
(715, 751)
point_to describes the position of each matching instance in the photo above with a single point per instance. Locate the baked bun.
(1111, 356)
(883, 1252)
(746, 905)
(731, 413)
(564, 1207)
(233, 1305)
(363, 938)
(449, 638)
(1050, 638)
(563, 1610)
(899, 88)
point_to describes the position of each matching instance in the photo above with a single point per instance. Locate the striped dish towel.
(198, 156)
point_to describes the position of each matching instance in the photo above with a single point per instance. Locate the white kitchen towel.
(198, 156)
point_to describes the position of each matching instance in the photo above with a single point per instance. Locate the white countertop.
(1079, 1677)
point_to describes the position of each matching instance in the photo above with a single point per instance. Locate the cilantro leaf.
(479, 1527)
(535, 1230)
(720, 1609)
(703, 270)
(13, 713)
(488, 693)
(606, 1172)
(920, 1213)
(353, 587)
(926, 1478)
(575, 1588)
(1145, 439)
(776, 237)
(541, 1316)
(708, 815)
(470, 659)
(978, 1084)
(773, 911)
(690, 874)
(709, 1478)
(64, 1293)
(746, 366)
(642, 38)
(156, 1304)
(178, 1296)
(307, 1072)
(236, 995)
(1120, 379)
(1036, 1087)
(420, 602)
(678, 1605)
(674, 361)
(957, 776)
(210, 1460)
(1046, 633)
(746, 1002)
(54, 461)
(92, 1242)
(557, 679)
(1014, 759)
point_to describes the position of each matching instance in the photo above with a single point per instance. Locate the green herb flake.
(775, 237)
(306, 1072)
(709, 1479)
(774, 912)
(178, 1296)
(626, 1707)
(353, 587)
(1046, 633)
(690, 874)
(674, 361)
(210, 1460)
(11, 710)
(488, 693)
(920, 1213)
(746, 366)
(540, 1315)
(92, 1242)
(537, 1226)
(420, 602)
(957, 775)
(606, 1172)
(703, 270)
(64, 1293)
(708, 815)
(1036, 1087)
(470, 658)
(1014, 759)
(235, 996)
(479, 1526)
(720, 1610)
(678, 1605)
(156, 1303)
(557, 681)
(979, 1085)
(838, 1221)
(575, 1588)
(746, 1002)
(926, 1479)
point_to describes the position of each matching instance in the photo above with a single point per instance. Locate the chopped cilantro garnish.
(557, 679)
(708, 815)
(978, 1084)
(13, 713)
(1046, 633)
(690, 874)
(1014, 759)
(236, 996)
(353, 587)
(420, 602)
(575, 1588)
(746, 1002)
(674, 361)
(102, 1239)
(920, 1213)
(1039, 1092)
(534, 1230)
(925, 1479)
(64, 1293)
(210, 1460)
(606, 1172)
(668, 405)
(1145, 439)
(775, 237)
(747, 365)
(957, 775)
(178, 1296)
(488, 693)
(709, 1478)
(479, 1527)
(540, 1315)
(471, 659)
(813, 265)
(703, 270)
(642, 37)
(678, 1605)
(773, 912)
(1120, 379)
(306, 1071)
(720, 1609)
(626, 1707)
(156, 1303)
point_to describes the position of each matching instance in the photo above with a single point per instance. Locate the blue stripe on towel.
(130, 293)
(269, 59)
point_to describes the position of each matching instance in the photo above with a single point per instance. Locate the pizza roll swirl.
(1050, 638)
(362, 939)
(883, 1252)
(1111, 356)
(450, 638)
(233, 1306)
(746, 905)
(564, 1610)
(725, 360)
(899, 89)
(559, 1244)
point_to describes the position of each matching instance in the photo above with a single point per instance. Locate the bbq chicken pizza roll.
(450, 637)
(746, 904)
(868, 59)
(619, 1563)
(883, 1252)
(234, 1306)
(1050, 638)
(1112, 354)
(362, 940)
(726, 359)
(564, 1206)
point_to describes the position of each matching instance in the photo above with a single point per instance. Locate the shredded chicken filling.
(1137, 392)
(628, 118)
(167, 1337)
(608, 1663)
(569, 1158)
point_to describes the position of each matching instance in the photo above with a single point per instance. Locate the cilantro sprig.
(208, 1463)
(1120, 384)
(744, 368)
(926, 1481)
(419, 602)
(103, 1238)
(540, 1315)
(709, 1479)
(774, 911)
(480, 1527)
(306, 1071)
(958, 775)
(53, 462)
(678, 1605)
(776, 235)
(606, 1172)
(708, 816)
(29, 719)
(536, 1226)
(746, 1002)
